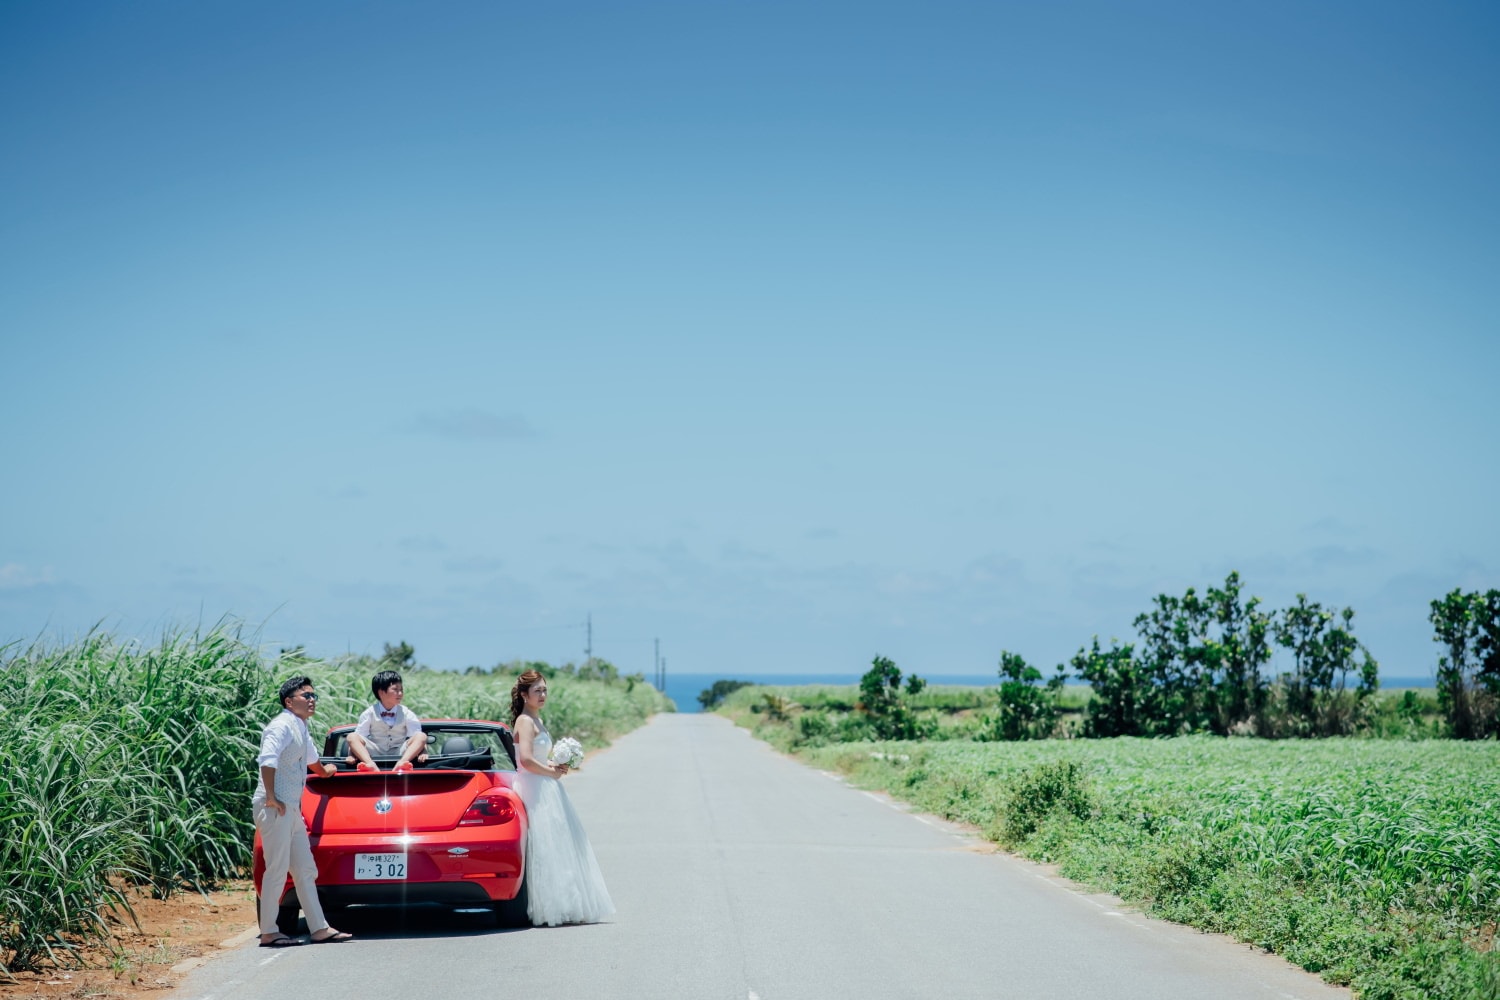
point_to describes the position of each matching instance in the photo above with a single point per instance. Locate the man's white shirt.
(286, 745)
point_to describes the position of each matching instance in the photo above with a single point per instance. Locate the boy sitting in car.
(387, 728)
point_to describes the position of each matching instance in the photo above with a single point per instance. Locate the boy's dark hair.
(383, 681)
(292, 685)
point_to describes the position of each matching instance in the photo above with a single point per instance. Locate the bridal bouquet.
(567, 751)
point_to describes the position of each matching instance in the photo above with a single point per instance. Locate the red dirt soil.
(175, 936)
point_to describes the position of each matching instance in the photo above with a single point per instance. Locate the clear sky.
(788, 333)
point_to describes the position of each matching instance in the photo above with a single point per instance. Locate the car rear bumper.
(452, 867)
(467, 893)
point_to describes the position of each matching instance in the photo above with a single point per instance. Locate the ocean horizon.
(684, 689)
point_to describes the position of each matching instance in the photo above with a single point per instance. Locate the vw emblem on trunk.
(383, 806)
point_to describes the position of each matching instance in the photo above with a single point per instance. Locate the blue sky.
(788, 333)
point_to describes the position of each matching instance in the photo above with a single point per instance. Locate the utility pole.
(656, 665)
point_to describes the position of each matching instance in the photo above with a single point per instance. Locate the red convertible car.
(450, 831)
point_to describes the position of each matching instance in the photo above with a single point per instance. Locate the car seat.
(456, 745)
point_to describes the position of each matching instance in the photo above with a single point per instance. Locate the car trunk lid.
(412, 802)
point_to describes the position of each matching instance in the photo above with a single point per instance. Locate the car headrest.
(458, 744)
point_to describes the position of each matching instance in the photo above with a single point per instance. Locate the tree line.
(1199, 665)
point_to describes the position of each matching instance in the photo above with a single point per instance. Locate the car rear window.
(449, 746)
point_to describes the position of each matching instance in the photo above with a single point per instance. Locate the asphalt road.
(742, 875)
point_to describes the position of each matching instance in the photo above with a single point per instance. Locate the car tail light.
(490, 808)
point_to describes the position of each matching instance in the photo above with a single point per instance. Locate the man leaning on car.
(287, 754)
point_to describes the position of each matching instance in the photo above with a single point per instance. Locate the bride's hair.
(524, 684)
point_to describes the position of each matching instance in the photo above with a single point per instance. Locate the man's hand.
(274, 804)
(329, 770)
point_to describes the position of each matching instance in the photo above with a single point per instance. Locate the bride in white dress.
(563, 881)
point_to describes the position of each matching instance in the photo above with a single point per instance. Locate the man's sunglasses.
(309, 695)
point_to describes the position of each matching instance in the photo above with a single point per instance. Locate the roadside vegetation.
(1373, 863)
(1184, 776)
(127, 768)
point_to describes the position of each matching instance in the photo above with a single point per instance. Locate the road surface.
(742, 875)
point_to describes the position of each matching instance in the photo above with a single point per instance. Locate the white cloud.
(14, 576)
(994, 569)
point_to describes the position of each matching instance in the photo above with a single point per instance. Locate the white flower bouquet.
(567, 751)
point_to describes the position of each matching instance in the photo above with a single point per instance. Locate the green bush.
(1314, 699)
(1467, 626)
(777, 707)
(1179, 867)
(1056, 788)
(814, 728)
(884, 705)
(1408, 715)
(711, 697)
(1199, 666)
(1027, 711)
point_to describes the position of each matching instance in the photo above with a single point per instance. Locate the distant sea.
(684, 689)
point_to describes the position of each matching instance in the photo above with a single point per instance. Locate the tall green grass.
(126, 766)
(71, 835)
(119, 766)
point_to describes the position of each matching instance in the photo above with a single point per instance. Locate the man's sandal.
(337, 937)
(280, 941)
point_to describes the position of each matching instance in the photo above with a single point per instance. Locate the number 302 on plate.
(380, 866)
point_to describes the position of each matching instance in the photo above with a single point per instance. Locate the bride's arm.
(525, 743)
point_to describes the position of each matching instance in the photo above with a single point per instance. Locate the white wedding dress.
(563, 881)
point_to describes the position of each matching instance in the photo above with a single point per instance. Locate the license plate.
(382, 867)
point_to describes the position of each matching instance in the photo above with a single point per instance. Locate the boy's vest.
(386, 738)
